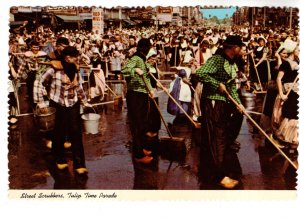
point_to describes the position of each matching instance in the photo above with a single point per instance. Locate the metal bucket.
(248, 100)
(46, 121)
(91, 122)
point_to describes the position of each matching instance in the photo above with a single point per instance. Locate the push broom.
(261, 130)
(168, 143)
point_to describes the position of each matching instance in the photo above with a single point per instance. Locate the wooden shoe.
(144, 160)
(67, 144)
(228, 183)
(276, 142)
(81, 170)
(151, 134)
(147, 152)
(13, 120)
(49, 144)
(62, 166)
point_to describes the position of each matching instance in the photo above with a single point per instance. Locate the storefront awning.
(130, 22)
(69, 19)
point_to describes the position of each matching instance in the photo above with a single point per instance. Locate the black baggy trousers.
(68, 121)
(138, 109)
(220, 127)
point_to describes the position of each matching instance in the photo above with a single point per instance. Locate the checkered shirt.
(62, 91)
(136, 82)
(215, 71)
(30, 65)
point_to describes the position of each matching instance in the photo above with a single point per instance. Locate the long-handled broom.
(195, 97)
(168, 143)
(257, 74)
(118, 101)
(262, 131)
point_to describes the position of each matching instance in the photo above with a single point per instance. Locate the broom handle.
(248, 66)
(106, 69)
(104, 82)
(107, 86)
(82, 66)
(163, 49)
(261, 130)
(199, 54)
(167, 92)
(175, 63)
(182, 56)
(164, 54)
(192, 88)
(18, 53)
(295, 80)
(50, 64)
(111, 90)
(44, 63)
(256, 73)
(194, 94)
(157, 107)
(196, 99)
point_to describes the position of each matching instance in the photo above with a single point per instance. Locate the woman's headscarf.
(289, 45)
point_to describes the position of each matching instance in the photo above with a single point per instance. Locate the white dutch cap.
(215, 40)
(145, 35)
(208, 31)
(95, 50)
(151, 53)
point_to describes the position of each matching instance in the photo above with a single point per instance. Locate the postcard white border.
(179, 203)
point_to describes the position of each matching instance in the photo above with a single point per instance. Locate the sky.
(220, 13)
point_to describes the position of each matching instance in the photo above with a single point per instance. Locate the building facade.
(270, 17)
(71, 17)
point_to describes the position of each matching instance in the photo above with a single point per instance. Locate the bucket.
(91, 122)
(45, 121)
(248, 100)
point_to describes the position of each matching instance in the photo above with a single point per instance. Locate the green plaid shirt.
(135, 81)
(215, 71)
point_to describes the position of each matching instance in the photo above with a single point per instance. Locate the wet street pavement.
(108, 157)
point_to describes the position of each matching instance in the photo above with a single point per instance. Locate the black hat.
(234, 40)
(144, 43)
(62, 40)
(261, 39)
(69, 51)
(34, 43)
